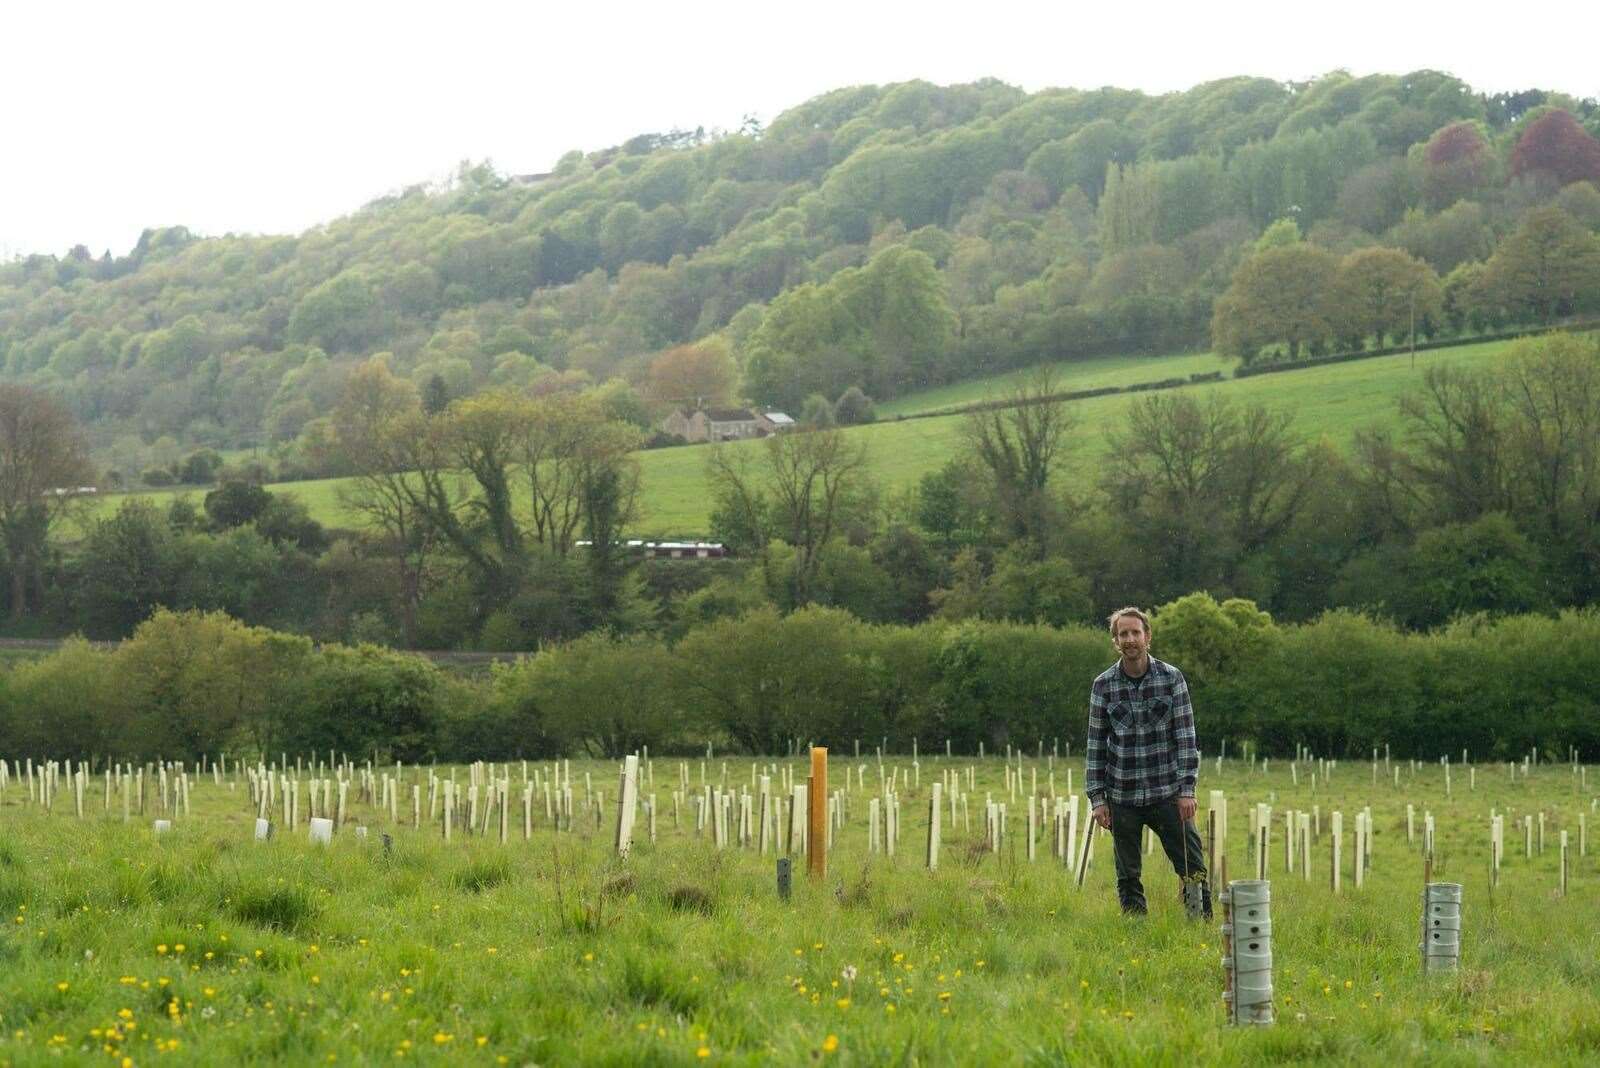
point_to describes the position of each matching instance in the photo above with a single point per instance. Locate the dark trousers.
(1180, 840)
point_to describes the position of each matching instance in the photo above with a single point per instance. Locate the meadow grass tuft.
(484, 873)
(290, 909)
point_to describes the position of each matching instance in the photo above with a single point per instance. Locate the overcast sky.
(273, 117)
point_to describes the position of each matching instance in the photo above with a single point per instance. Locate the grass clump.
(289, 909)
(480, 875)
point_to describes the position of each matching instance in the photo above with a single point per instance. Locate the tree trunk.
(19, 589)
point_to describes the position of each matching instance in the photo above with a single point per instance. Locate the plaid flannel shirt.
(1142, 744)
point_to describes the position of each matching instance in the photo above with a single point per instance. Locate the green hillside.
(893, 238)
(1333, 401)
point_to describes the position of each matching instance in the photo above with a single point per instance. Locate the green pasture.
(204, 947)
(1331, 401)
(1069, 375)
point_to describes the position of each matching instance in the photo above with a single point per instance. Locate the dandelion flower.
(830, 1043)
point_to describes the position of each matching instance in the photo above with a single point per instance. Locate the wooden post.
(764, 831)
(1069, 855)
(1033, 825)
(1083, 852)
(1211, 839)
(817, 823)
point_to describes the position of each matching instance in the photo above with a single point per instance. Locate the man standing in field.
(1142, 760)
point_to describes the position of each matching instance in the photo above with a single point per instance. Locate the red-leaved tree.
(1555, 144)
(1459, 162)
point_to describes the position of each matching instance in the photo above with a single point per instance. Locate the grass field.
(203, 947)
(1332, 401)
(1070, 375)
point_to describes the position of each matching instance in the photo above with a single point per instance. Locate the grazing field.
(203, 946)
(1069, 375)
(1334, 401)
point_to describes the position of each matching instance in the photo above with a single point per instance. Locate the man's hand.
(1102, 816)
(1186, 809)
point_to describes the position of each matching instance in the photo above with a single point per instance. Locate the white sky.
(272, 117)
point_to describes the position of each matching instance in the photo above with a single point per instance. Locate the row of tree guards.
(814, 813)
(776, 812)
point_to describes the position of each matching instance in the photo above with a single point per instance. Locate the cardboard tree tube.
(816, 797)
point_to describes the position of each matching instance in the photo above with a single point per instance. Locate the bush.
(600, 694)
(817, 412)
(853, 408)
(367, 700)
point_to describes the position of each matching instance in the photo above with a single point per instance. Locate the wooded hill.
(883, 237)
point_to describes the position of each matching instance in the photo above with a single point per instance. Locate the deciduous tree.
(1383, 291)
(1017, 441)
(1277, 296)
(1556, 145)
(43, 461)
(1549, 266)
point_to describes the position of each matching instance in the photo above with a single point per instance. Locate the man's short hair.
(1111, 620)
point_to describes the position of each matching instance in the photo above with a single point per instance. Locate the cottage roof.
(730, 415)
